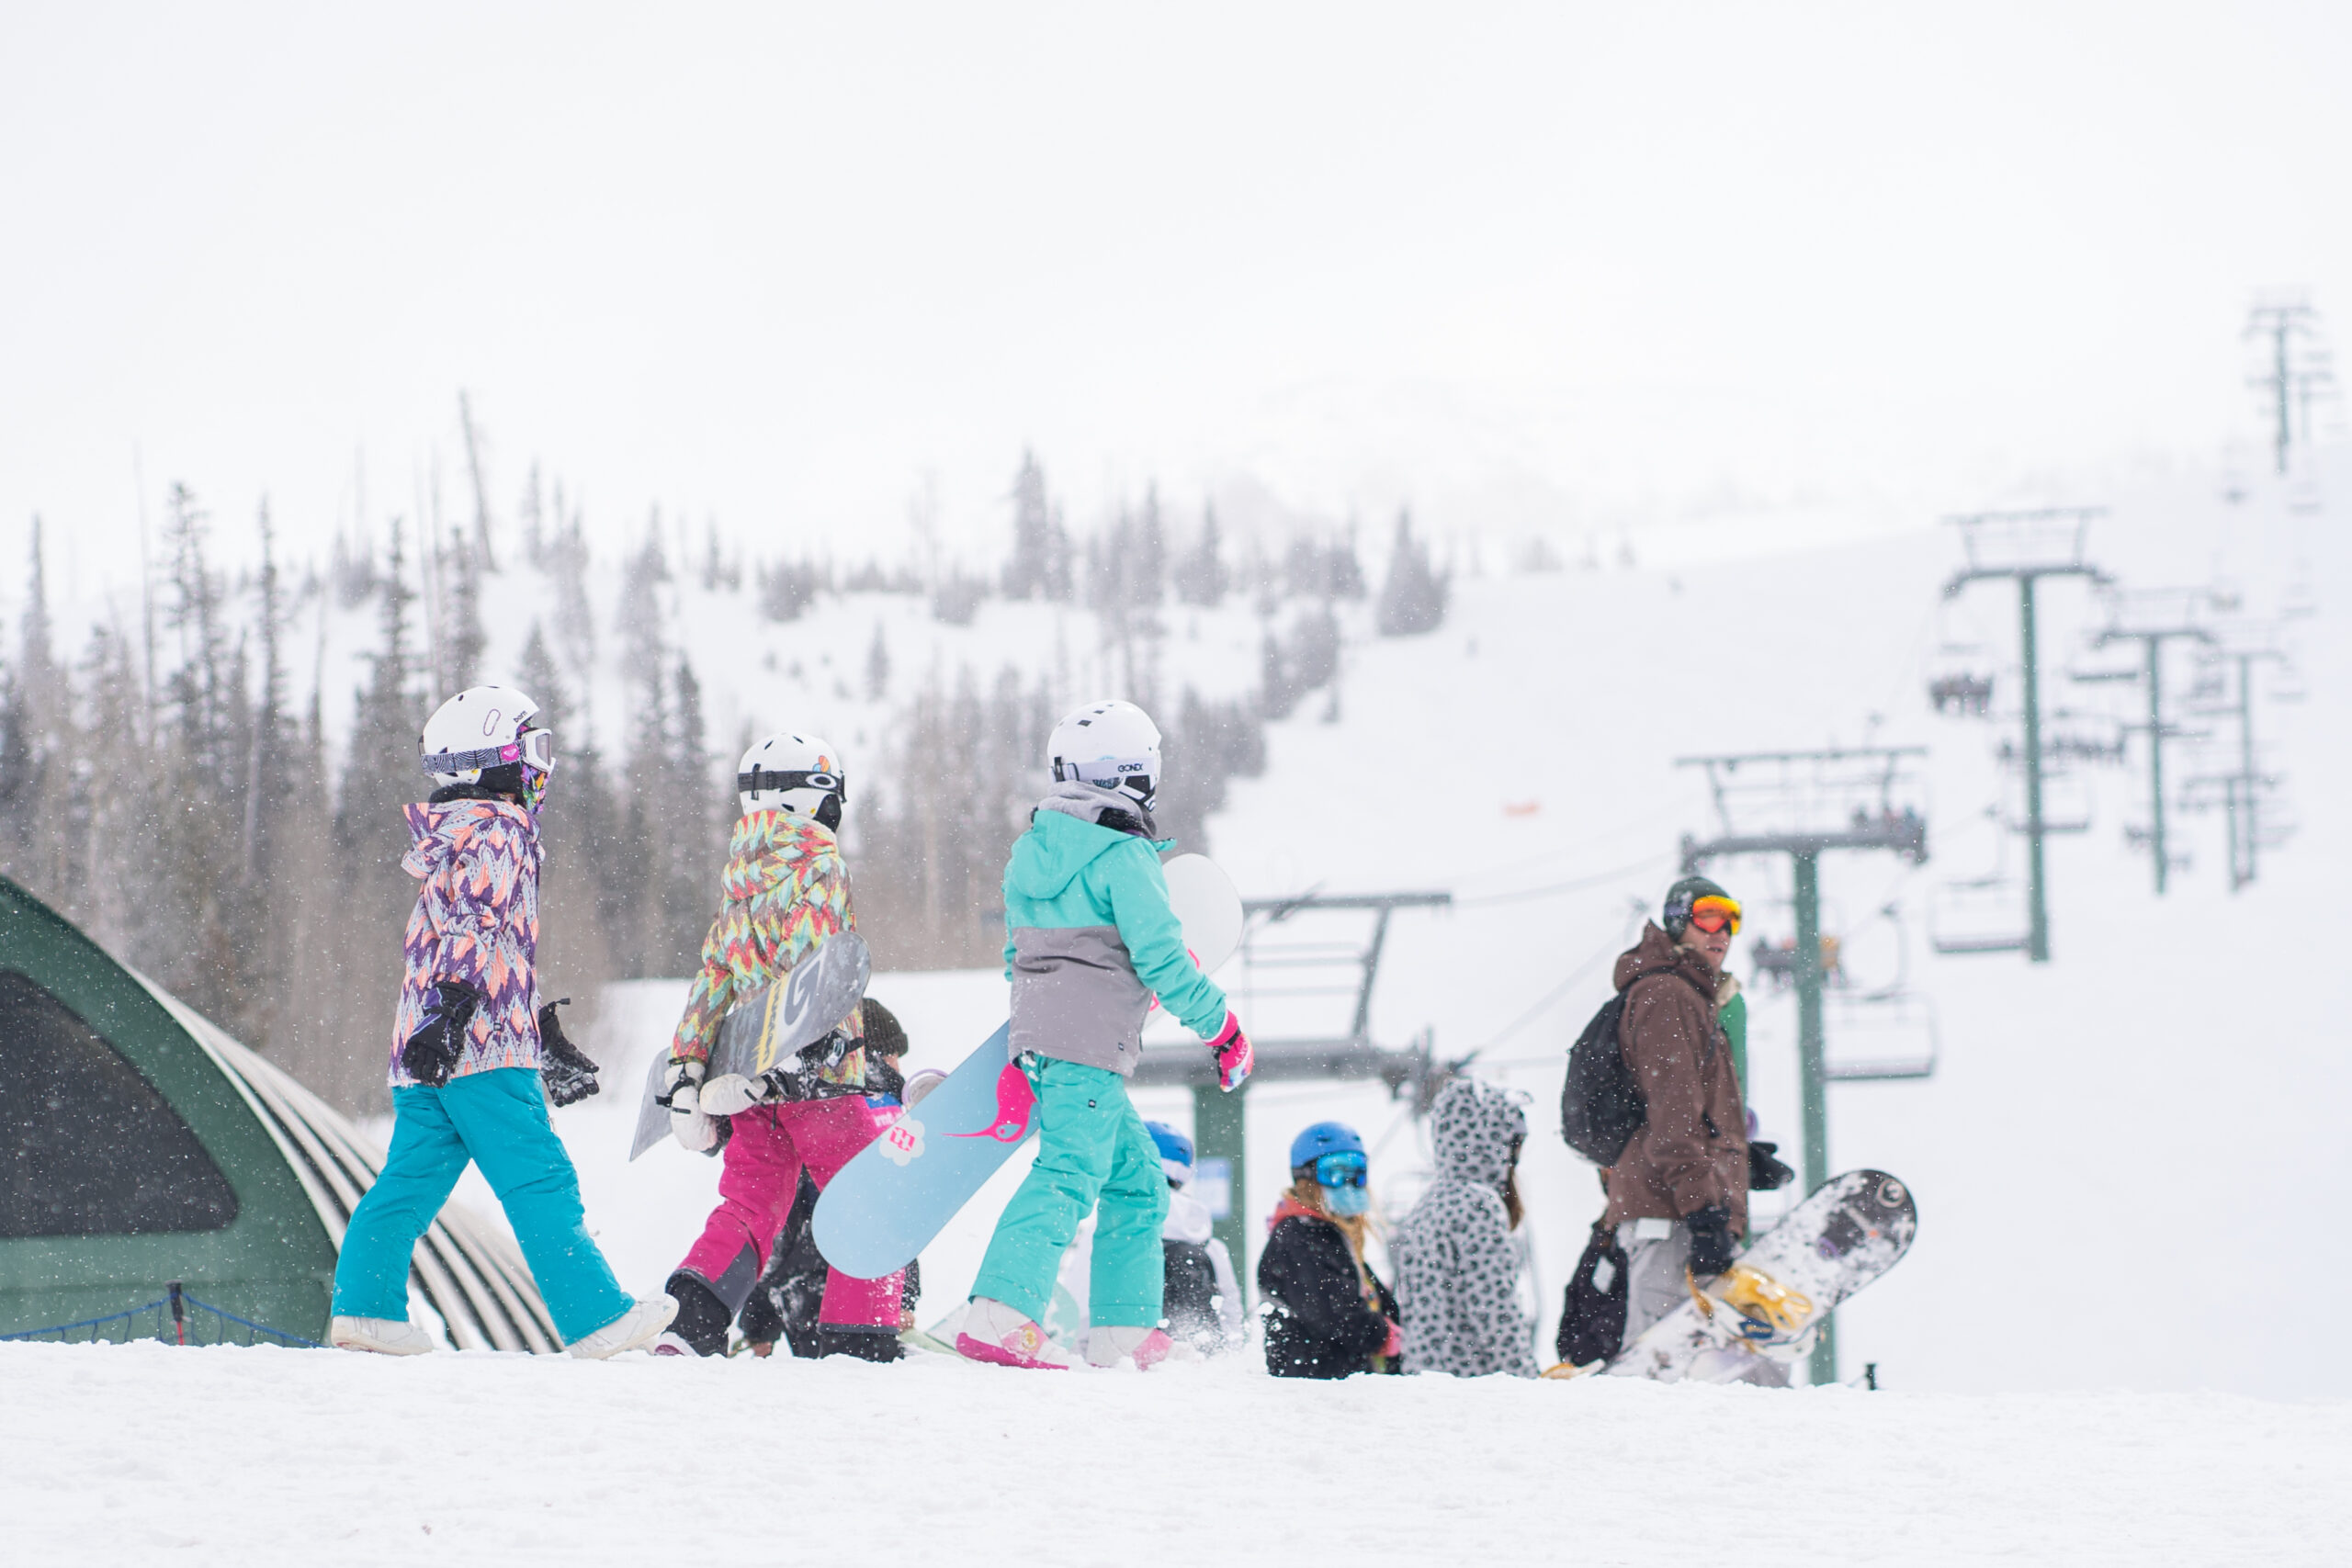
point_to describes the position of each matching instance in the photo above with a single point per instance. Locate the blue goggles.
(1345, 1169)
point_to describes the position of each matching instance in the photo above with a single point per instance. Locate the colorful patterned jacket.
(477, 921)
(785, 889)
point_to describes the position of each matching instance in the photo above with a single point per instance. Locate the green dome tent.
(146, 1150)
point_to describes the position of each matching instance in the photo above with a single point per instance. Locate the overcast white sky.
(1557, 266)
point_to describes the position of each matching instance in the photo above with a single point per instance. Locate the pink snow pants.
(764, 1158)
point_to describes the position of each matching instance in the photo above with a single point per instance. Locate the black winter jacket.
(1317, 1323)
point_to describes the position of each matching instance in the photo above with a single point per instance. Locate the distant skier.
(1458, 1267)
(784, 889)
(1090, 938)
(1678, 1193)
(470, 1044)
(1328, 1316)
(1201, 1304)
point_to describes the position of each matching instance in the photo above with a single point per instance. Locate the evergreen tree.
(878, 667)
(1148, 569)
(464, 639)
(1029, 574)
(1413, 599)
(1201, 578)
(694, 842)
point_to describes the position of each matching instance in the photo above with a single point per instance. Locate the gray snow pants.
(1655, 1266)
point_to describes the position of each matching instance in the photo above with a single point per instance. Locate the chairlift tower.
(2024, 547)
(2152, 639)
(2291, 324)
(1817, 801)
(1334, 969)
(2242, 791)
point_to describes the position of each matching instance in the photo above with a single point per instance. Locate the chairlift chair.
(1984, 915)
(2065, 800)
(1878, 1036)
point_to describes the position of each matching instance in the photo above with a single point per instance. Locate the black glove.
(1711, 1242)
(439, 1042)
(569, 1075)
(1766, 1174)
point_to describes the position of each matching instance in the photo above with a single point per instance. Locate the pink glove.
(1233, 1057)
(1395, 1344)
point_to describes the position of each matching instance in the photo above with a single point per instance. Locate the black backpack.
(1601, 1105)
(1592, 1319)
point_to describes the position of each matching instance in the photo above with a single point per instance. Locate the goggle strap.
(518, 750)
(1121, 769)
(762, 779)
(468, 761)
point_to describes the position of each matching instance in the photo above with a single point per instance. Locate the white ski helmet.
(489, 735)
(1109, 745)
(793, 772)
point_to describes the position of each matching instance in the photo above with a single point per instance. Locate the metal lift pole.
(2037, 942)
(1811, 1056)
(2153, 641)
(2156, 756)
(1813, 1067)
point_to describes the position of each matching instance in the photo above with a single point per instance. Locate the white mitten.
(682, 1089)
(727, 1094)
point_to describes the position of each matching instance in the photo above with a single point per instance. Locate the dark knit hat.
(884, 1036)
(1676, 917)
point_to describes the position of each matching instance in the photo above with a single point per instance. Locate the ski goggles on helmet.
(1132, 775)
(1712, 914)
(1345, 1167)
(760, 780)
(534, 748)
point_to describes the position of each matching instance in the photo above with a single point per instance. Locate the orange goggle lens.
(1712, 915)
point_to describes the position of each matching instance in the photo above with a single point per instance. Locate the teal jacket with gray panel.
(1090, 938)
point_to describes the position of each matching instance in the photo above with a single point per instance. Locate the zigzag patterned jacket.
(477, 922)
(784, 890)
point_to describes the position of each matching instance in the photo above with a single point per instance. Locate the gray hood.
(1088, 803)
(1472, 1126)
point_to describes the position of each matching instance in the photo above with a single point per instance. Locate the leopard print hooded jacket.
(1457, 1265)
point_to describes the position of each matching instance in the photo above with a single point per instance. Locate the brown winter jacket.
(1692, 1151)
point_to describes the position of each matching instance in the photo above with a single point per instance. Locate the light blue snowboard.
(901, 1190)
(882, 1207)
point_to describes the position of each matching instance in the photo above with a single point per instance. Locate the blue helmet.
(1323, 1138)
(1175, 1150)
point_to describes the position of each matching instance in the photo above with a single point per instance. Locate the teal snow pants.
(498, 1120)
(1091, 1147)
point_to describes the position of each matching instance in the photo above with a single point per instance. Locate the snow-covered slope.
(262, 1458)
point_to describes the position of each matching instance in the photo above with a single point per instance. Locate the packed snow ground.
(267, 1457)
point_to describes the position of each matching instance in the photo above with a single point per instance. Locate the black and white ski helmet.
(793, 772)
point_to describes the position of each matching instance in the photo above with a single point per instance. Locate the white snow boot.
(1108, 1345)
(627, 1332)
(1008, 1336)
(383, 1336)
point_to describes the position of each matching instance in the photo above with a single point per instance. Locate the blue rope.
(249, 1323)
(157, 1306)
(86, 1323)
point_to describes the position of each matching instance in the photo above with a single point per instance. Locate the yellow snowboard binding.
(1763, 1312)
